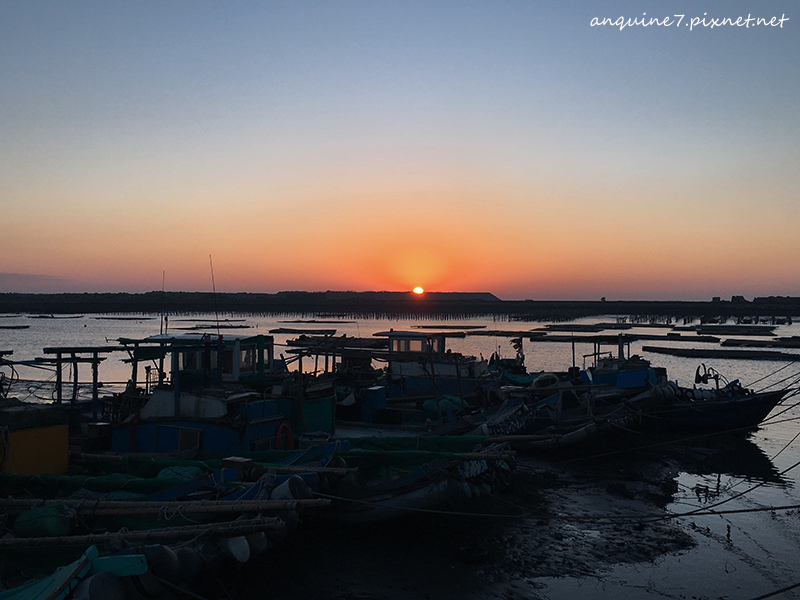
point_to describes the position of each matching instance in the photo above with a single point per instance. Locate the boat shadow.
(725, 454)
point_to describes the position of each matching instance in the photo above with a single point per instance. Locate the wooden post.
(176, 407)
(134, 366)
(74, 378)
(59, 392)
(435, 385)
(458, 376)
(260, 357)
(573, 349)
(95, 396)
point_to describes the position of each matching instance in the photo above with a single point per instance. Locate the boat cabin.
(202, 360)
(405, 342)
(220, 398)
(419, 364)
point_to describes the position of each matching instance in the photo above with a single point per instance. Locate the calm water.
(104, 330)
(742, 555)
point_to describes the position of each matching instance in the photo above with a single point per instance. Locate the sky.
(520, 148)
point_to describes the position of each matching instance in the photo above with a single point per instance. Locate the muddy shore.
(562, 523)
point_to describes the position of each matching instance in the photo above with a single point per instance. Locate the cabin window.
(170, 438)
(408, 345)
(190, 439)
(190, 360)
(266, 443)
(226, 365)
(247, 359)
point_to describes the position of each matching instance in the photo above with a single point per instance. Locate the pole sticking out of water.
(214, 289)
(163, 282)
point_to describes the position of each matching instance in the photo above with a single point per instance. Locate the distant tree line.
(443, 305)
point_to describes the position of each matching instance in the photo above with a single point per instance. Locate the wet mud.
(572, 519)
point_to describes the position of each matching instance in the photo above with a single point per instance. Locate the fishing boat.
(567, 418)
(384, 478)
(574, 408)
(421, 384)
(90, 577)
(419, 364)
(415, 364)
(190, 519)
(728, 407)
(226, 394)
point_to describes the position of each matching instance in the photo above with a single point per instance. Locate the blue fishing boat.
(226, 394)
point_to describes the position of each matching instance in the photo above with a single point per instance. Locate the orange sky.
(517, 151)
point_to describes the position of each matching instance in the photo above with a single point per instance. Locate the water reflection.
(730, 456)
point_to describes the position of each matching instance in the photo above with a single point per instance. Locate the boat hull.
(717, 413)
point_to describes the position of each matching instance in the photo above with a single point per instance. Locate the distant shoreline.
(442, 305)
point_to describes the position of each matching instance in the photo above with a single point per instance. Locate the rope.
(776, 592)
(421, 510)
(789, 443)
(770, 420)
(789, 364)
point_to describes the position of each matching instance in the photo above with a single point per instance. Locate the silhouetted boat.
(728, 408)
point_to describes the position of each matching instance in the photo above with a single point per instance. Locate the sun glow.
(418, 290)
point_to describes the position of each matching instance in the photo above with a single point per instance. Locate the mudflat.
(589, 527)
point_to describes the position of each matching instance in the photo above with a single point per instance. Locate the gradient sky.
(507, 147)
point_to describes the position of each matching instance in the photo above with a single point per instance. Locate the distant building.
(738, 300)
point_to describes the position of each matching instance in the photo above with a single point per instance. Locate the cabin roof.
(193, 339)
(416, 335)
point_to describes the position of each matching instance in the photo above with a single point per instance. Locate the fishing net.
(45, 521)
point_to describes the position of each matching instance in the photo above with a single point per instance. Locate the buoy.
(283, 430)
(148, 585)
(294, 488)
(299, 488)
(238, 548)
(163, 562)
(258, 543)
(100, 586)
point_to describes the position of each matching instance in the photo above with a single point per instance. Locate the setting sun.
(418, 290)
